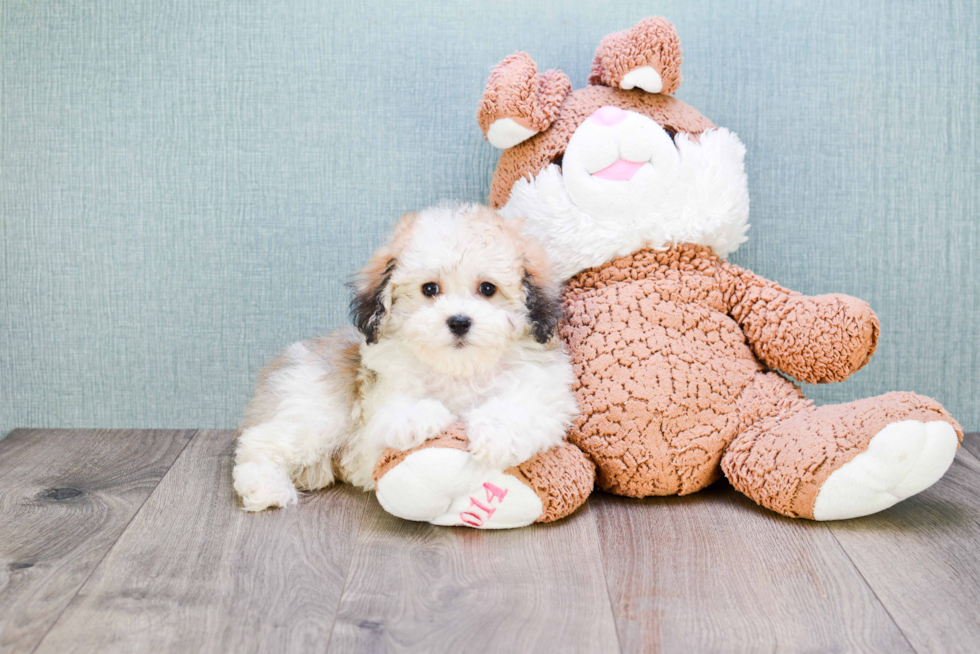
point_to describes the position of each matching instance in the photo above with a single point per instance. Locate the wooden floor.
(132, 541)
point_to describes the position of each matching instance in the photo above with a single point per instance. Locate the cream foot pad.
(447, 486)
(902, 459)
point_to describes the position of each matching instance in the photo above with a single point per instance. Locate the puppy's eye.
(487, 289)
(430, 289)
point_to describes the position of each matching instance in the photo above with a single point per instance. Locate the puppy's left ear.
(541, 291)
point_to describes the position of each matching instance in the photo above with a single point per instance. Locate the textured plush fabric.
(816, 340)
(651, 42)
(534, 105)
(186, 186)
(561, 477)
(670, 350)
(782, 461)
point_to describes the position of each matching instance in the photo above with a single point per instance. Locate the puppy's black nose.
(459, 325)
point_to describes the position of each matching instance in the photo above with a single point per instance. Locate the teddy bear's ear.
(518, 102)
(646, 56)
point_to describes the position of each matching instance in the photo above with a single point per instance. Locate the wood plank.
(972, 443)
(714, 572)
(922, 559)
(416, 587)
(196, 573)
(65, 498)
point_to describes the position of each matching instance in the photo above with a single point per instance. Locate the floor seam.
(350, 564)
(605, 579)
(98, 565)
(870, 587)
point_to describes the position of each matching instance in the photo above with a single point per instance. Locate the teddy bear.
(685, 363)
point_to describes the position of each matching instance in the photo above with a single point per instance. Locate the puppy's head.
(458, 285)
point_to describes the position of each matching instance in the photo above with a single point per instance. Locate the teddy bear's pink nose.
(609, 116)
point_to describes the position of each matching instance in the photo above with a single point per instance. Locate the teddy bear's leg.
(842, 461)
(442, 483)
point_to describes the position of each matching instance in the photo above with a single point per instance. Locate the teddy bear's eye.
(430, 289)
(487, 289)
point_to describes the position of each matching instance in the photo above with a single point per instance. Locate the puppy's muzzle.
(459, 325)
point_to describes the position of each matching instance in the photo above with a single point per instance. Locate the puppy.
(456, 320)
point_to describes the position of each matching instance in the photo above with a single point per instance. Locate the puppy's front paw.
(262, 485)
(413, 426)
(493, 442)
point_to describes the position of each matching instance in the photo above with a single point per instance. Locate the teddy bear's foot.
(442, 483)
(902, 459)
(448, 486)
(842, 461)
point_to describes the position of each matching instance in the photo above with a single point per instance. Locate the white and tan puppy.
(456, 321)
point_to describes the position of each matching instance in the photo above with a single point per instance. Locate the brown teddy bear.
(637, 199)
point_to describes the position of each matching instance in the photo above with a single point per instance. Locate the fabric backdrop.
(186, 186)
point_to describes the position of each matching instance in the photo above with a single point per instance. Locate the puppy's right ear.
(371, 301)
(518, 102)
(541, 290)
(372, 295)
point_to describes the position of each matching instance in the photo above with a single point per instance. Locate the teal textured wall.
(185, 186)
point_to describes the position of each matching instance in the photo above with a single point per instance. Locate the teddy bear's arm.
(819, 339)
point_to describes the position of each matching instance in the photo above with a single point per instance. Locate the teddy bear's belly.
(659, 373)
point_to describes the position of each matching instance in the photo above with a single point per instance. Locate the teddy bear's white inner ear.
(506, 133)
(644, 77)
